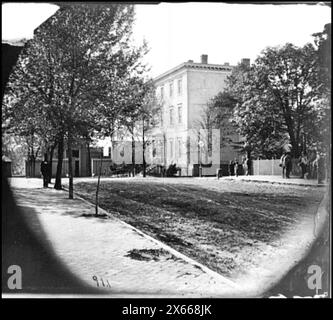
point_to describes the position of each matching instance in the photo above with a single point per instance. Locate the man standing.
(303, 163)
(283, 164)
(288, 164)
(319, 164)
(44, 169)
(231, 168)
(247, 166)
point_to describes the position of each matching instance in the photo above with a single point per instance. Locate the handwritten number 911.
(101, 282)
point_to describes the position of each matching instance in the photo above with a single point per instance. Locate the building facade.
(184, 92)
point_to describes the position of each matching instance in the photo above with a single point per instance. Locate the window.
(171, 89)
(180, 113)
(162, 92)
(171, 111)
(180, 87)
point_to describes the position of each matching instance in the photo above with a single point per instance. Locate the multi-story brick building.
(184, 92)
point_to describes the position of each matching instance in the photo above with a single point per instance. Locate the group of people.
(310, 167)
(234, 167)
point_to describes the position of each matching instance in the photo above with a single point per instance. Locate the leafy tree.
(15, 148)
(72, 70)
(323, 44)
(140, 115)
(275, 98)
(321, 123)
(222, 107)
(24, 121)
(149, 111)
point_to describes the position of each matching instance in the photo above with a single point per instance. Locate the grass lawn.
(222, 224)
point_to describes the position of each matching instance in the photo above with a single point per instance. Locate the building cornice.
(194, 66)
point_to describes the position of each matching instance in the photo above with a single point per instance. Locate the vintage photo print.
(166, 150)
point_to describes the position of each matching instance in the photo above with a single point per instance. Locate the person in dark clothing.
(283, 164)
(44, 169)
(231, 168)
(303, 163)
(288, 164)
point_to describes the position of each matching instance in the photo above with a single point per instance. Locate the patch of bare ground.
(227, 226)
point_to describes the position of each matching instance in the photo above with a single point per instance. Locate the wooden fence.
(271, 167)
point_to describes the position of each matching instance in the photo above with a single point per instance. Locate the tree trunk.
(57, 184)
(50, 163)
(29, 166)
(33, 166)
(98, 184)
(133, 156)
(70, 167)
(291, 132)
(88, 160)
(143, 150)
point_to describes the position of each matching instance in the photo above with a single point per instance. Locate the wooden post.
(70, 167)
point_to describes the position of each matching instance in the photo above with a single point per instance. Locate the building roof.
(195, 65)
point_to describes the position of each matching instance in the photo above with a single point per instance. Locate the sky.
(18, 20)
(178, 32)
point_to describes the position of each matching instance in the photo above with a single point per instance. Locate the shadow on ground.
(42, 272)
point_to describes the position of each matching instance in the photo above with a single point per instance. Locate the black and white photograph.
(166, 150)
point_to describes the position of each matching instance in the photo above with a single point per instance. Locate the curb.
(176, 253)
(278, 182)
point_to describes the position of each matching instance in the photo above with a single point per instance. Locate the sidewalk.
(112, 255)
(277, 180)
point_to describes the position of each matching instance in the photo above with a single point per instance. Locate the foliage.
(321, 124)
(276, 100)
(141, 114)
(15, 148)
(71, 81)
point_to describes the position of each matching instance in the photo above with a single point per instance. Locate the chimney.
(204, 59)
(245, 62)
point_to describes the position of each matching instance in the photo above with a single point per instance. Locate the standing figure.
(248, 166)
(44, 169)
(288, 165)
(303, 163)
(236, 167)
(283, 164)
(231, 168)
(320, 167)
(244, 165)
